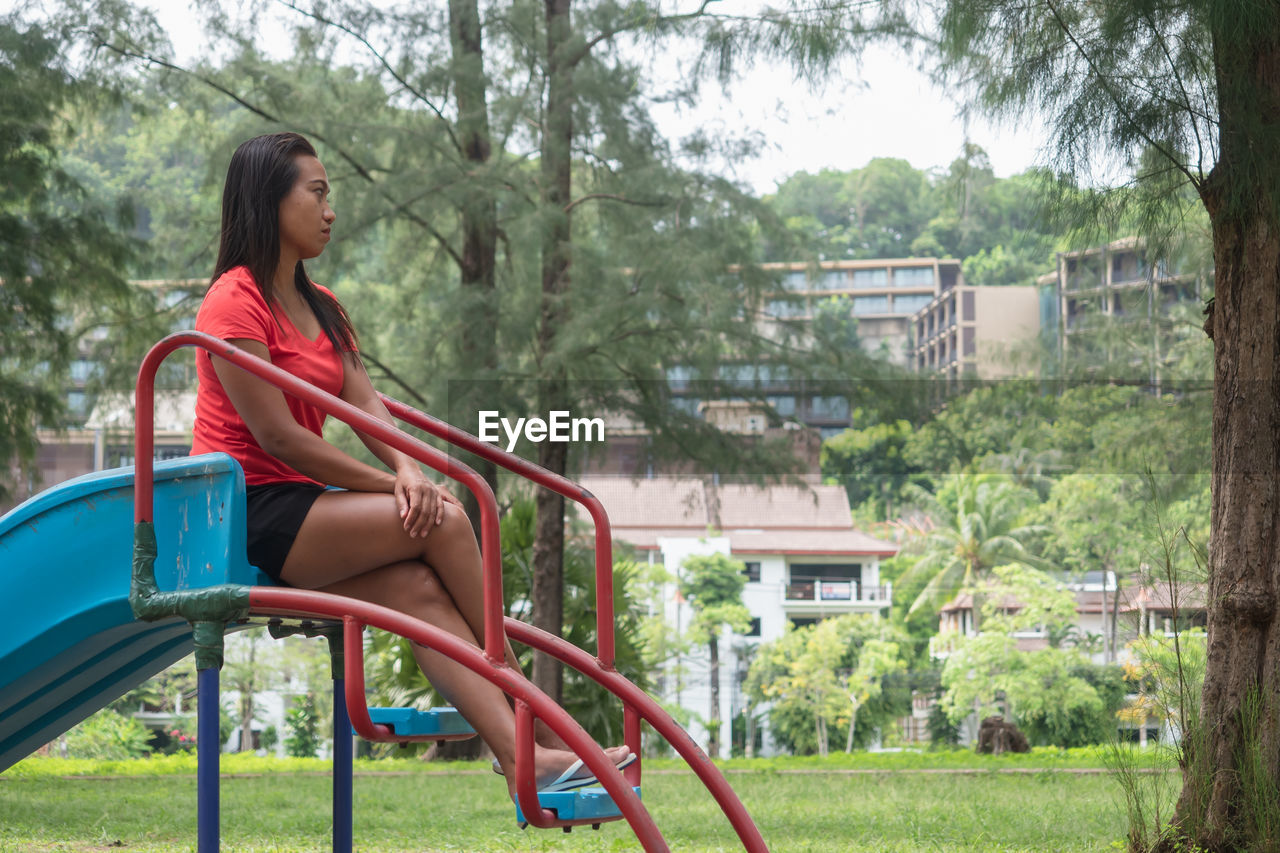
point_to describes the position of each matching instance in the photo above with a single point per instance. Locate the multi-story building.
(803, 558)
(974, 332)
(1118, 281)
(882, 294)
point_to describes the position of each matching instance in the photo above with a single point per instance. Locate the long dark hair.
(261, 173)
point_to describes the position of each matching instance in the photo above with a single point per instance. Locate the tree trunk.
(557, 137)
(1223, 799)
(478, 342)
(853, 719)
(713, 718)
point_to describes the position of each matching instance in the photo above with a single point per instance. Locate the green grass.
(819, 809)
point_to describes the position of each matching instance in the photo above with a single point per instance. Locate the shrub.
(108, 735)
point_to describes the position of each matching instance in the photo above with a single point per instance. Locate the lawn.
(799, 808)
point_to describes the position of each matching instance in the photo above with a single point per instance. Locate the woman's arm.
(262, 407)
(415, 494)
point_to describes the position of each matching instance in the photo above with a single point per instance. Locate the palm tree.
(979, 528)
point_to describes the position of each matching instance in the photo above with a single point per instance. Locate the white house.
(804, 561)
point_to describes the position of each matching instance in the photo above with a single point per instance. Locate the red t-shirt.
(234, 308)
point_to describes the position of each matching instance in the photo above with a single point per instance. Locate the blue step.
(592, 803)
(410, 722)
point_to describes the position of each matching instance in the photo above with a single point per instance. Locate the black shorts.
(276, 512)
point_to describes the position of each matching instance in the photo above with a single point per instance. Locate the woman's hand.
(420, 501)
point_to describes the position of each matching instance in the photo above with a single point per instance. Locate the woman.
(388, 537)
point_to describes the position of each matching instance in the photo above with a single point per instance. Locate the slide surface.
(68, 641)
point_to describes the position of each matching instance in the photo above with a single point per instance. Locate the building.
(803, 559)
(1117, 281)
(973, 332)
(98, 432)
(883, 294)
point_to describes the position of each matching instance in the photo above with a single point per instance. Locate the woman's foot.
(556, 767)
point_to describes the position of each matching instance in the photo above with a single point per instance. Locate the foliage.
(812, 676)
(980, 525)
(302, 724)
(108, 736)
(713, 585)
(1167, 674)
(1054, 693)
(870, 461)
(61, 256)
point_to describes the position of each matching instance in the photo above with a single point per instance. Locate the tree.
(1193, 84)
(980, 526)
(870, 462)
(1095, 523)
(876, 660)
(712, 584)
(62, 260)
(812, 677)
(1049, 691)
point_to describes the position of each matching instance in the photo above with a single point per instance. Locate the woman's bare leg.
(411, 587)
(348, 533)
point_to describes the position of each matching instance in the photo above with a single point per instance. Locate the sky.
(882, 107)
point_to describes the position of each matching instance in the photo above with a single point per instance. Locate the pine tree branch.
(394, 377)
(382, 60)
(612, 197)
(1115, 98)
(359, 168)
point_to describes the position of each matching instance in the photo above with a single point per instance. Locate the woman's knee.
(410, 587)
(454, 530)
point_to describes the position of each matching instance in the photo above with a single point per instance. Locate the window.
(835, 280)
(754, 630)
(688, 405)
(740, 375)
(871, 278)
(752, 571)
(911, 304)
(796, 280)
(832, 408)
(913, 277)
(870, 305)
(678, 377)
(785, 406)
(784, 308)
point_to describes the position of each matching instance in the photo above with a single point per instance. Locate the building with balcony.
(882, 294)
(974, 332)
(803, 559)
(1117, 281)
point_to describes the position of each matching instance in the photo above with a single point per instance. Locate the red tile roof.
(778, 519)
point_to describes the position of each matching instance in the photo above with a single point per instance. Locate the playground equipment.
(82, 636)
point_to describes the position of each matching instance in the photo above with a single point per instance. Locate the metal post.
(208, 743)
(342, 772)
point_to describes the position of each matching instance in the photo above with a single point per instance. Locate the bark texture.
(557, 137)
(1235, 756)
(479, 214)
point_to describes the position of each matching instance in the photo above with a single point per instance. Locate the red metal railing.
(530, 702)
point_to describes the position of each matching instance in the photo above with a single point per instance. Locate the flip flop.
(566, 781)
(627, 761)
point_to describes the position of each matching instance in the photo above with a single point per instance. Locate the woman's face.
(305, 215)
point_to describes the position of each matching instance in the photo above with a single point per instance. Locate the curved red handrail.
(491, 663)
(614, 682)
(283, 601)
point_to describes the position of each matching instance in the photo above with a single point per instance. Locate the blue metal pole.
(342, 769)
(208, 743)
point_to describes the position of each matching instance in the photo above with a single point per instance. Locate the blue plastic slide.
(68, 641)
